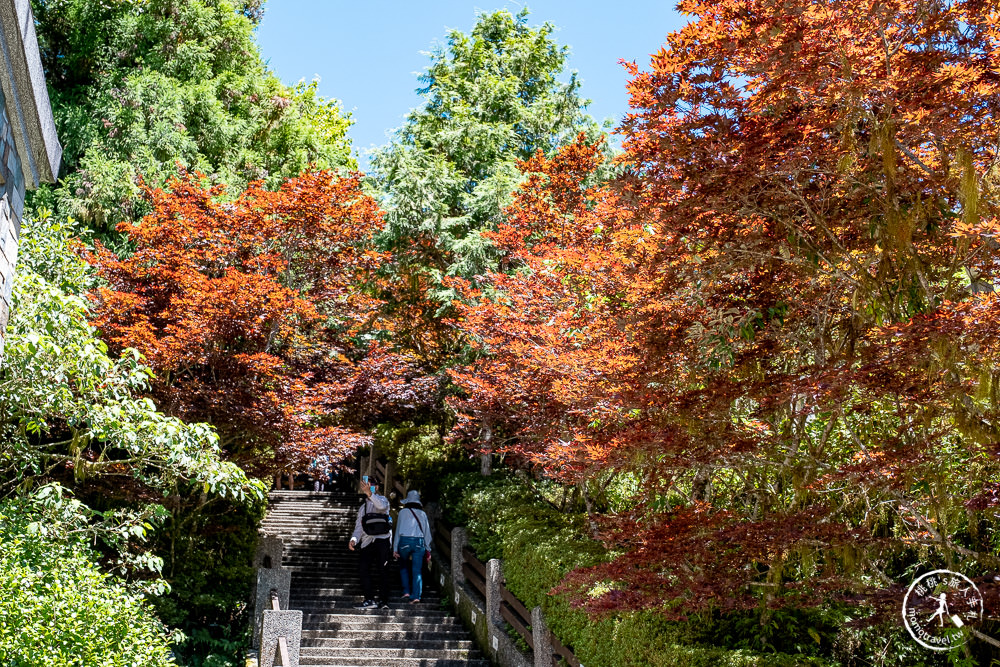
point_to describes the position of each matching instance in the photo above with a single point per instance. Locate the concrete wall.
(30, 152)
(11, 207)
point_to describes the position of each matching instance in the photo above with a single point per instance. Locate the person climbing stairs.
(315, 529)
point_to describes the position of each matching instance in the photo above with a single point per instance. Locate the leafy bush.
(506, 518)
(57, 609)
(419, 451)
(208, 551)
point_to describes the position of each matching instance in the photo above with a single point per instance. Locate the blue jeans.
(411, 548)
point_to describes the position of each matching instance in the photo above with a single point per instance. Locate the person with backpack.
(412, 544)
(373, 535)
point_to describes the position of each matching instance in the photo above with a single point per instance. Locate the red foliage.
(246, 308)
(784, 308)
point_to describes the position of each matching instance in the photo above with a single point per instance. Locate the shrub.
(539, 544)
(57, 609)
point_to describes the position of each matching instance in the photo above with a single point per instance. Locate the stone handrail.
(277, 629)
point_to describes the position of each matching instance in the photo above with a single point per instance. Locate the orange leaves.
(245, 306)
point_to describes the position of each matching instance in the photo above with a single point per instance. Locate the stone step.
(331, 654)
(400, 610)
(343, 592)
(347, 624)
(315, 529)
(378, 633)
(364, 661)
(401, 640)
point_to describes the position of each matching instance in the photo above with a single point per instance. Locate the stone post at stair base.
(458, 542)
(494, 578)
(287, 624)
(541, 639)
(278, 578)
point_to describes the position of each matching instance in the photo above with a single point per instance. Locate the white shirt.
(412, 523)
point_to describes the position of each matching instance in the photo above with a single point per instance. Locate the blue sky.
(368, 54)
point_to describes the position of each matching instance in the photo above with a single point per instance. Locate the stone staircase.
(315, 528)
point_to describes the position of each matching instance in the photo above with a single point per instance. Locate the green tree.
(493, 97)
(138, 86)
(66, 405)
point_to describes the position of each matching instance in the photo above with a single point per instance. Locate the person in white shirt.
(412, 544)
(372, 532)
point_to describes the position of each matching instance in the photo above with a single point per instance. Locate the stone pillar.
(286, 623)
(279, 578)
(269, 551)
(541, 638)
(458, 542)
(494, 578)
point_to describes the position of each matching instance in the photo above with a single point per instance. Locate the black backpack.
(376, 524)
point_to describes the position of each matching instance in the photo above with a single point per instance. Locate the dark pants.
(377, 553)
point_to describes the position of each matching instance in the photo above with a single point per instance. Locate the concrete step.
(364, 661)
(315, 528)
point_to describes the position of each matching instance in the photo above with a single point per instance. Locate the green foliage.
(208, 547)
(57, 609)
(64, 403)
(492, 98)
(508, 519)
(419, 451)
(139, 86)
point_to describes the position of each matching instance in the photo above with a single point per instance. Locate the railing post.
(541, 639)
(277, 625)
(458, 542)
(269, 552)
(494, 579)
(390, 473)
(278, 578)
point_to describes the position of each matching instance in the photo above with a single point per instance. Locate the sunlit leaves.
(248, 309)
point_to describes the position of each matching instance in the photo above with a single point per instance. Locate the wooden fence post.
(390, 475)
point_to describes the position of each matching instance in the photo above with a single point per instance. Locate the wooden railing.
(442, 540)
(512, 610)
(397, 486)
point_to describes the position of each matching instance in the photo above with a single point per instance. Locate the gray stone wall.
(11, 207)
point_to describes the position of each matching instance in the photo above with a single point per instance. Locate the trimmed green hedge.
(539, 544)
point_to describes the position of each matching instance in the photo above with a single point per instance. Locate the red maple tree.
(781, 320)
(248, 309)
